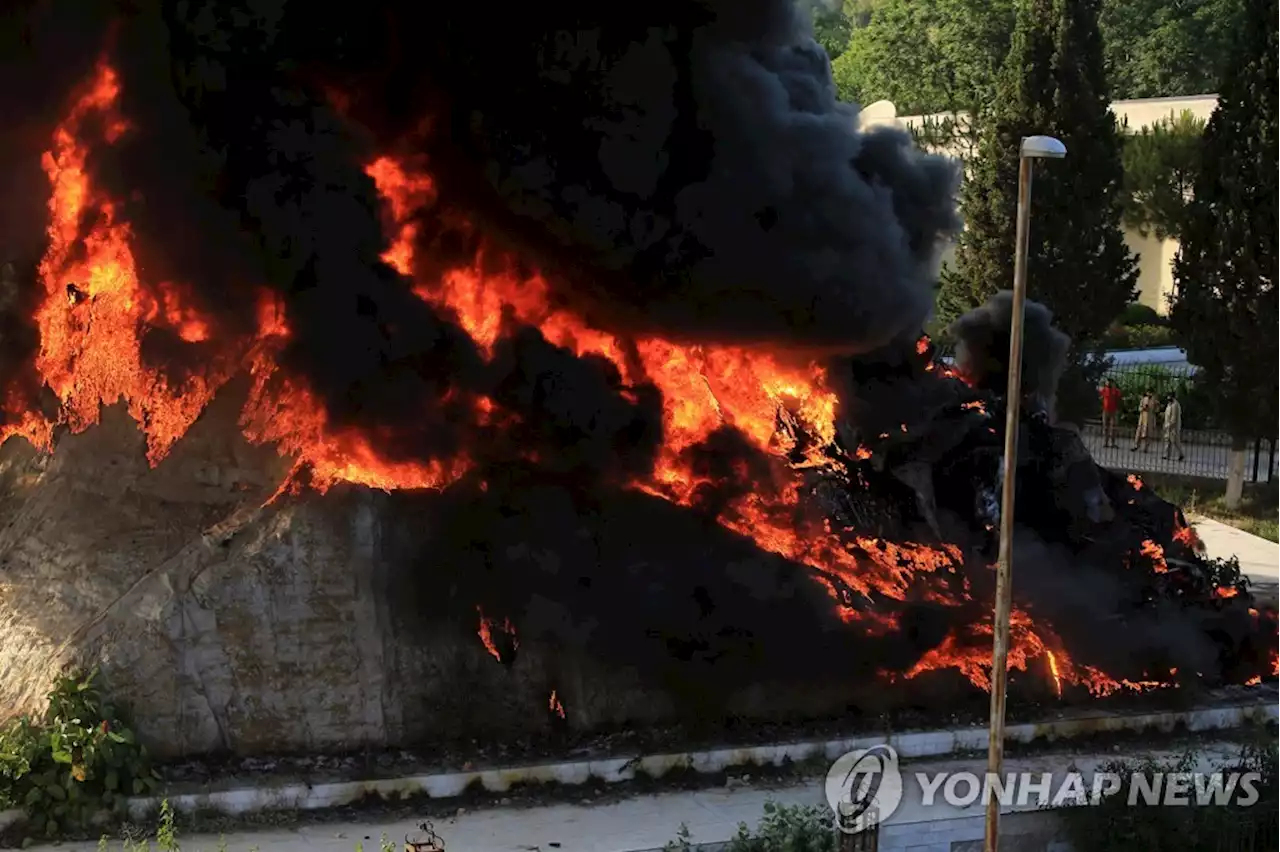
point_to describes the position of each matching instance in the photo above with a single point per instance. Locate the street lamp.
(1033, 148)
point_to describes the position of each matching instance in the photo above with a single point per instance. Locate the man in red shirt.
(1110, 409)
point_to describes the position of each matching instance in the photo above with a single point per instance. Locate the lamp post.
(1033, 148)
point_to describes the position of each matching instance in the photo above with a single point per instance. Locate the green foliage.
(1195, 396)
(1160, 163)
(166, 831)
(1137, 313)
(988, 196)
(1115, 826)
(1077, 397)
(782, 829)
(926, 57)
(831, 30)
(75, 761)
(1155, 48)
(1051, 83)
(1224, 305)
(1144, 336)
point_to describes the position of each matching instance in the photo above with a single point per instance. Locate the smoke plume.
(677, 172)
(983, 349)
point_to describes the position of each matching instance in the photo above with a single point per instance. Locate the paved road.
(1205, 459)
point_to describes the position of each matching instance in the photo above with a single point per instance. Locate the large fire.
(97, 309)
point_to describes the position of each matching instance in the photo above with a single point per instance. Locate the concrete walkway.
(648, 822)
(1259, 558)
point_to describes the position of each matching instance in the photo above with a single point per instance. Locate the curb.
(916, 744)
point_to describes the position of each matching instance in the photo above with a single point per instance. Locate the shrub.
(1115, 826)
(1144, 336)
(796, 828)
(1139, 314)
(75, 761)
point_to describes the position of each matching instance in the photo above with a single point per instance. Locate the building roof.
(1136, 113)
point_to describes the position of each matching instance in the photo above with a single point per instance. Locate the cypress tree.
(1022, 106)
(1079, 266)
(1224, 300)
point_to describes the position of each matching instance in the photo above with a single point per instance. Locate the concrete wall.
(227, 622)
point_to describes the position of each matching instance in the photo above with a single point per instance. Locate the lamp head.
(1041, 147)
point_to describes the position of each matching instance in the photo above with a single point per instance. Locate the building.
(1155, 257)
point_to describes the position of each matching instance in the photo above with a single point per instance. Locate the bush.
(782, 829)
(1115, 826)
(1139, 314)
(1145, 336)
(1078, 388)
(72, 763)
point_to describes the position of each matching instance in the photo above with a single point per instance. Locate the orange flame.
(1155, 553)
(97, 311)
(485, 632)
(554, 705)
(1135, 482)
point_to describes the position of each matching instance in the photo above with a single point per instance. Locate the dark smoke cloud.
(701, 168)
(693, 177)
(983, 350)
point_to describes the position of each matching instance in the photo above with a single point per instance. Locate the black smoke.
(982, 352)
(679, 168)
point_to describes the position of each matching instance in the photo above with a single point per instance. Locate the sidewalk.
(1259, 558)
(646, 823)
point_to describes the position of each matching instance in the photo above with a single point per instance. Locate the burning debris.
(643, 310)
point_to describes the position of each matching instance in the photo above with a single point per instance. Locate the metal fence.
(1200, 448)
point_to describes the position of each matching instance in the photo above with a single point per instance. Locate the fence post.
(1257, 456)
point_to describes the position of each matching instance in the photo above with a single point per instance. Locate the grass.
(1257, 513)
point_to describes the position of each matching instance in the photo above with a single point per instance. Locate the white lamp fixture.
(1043, 147)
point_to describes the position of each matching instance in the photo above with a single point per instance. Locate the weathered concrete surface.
(227, 625)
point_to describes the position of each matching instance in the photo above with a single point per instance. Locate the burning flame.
(554, 705)
(1155, 553)
(1135, 482)
(97, 311)
(485, 632)
(1186, 536)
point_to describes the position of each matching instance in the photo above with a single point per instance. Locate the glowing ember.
(485, 632)
(1226, 591)
(1155, 553)
(554, 705)
(1135, 482)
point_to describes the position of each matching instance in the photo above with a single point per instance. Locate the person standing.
(1146, 413)
(1110, 411)
(1173, 427)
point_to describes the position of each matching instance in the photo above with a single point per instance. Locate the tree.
(1155, 48)
(831, 30)
(1022, 105)
(1224, 301)
(924, 56)
(1078, 264)
(1160, 164)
